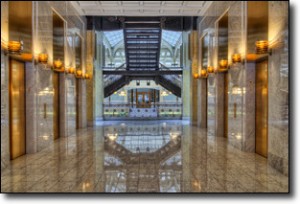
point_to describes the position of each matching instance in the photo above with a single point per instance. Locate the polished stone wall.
(241, 112)
(90, 83)
(241, 80)
(186, 78)
(278, 126)
(5, 156)
(40, 81)
(74, 25)
(194, 46)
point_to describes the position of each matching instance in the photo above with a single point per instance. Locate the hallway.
(121, 157)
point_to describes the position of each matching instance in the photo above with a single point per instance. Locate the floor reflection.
(142, 156)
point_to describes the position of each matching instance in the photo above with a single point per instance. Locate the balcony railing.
(131, 110)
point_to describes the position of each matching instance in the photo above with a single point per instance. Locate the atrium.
(145, 97)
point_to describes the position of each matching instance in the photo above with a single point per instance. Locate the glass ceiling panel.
(171, 37)
(114, 37)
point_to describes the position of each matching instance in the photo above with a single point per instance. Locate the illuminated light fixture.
(261, 47)
(87, 76)
(71, 70)
(174, 135)
(196, 76)
(43, 58)
(26, 56)
(164, 93)
(58, 66)
(203, 73)
(112, 137)
(210, 69)
(122, 93)
(236, 58)
(223, 65)
(251, 57)
(79, 74)
(15, 47)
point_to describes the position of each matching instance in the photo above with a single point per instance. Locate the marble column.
(31, 108)
(90, 83)
(220, 104)
(5, 151)
(202, 103)
(193, 43)
(186, 79)
(278, 85)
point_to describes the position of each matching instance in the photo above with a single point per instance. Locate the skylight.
(171, 37)
(114, 37)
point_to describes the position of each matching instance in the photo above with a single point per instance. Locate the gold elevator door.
(261, 109)
(17, 109)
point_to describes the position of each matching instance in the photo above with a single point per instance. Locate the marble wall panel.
(44, 108)
(90, 83)
(39, 82)
(31, 111)
(211, 105)
(278, 125)
(186, 78)
(194, 45)
(5, 152)
(240, 78)
(70, 86)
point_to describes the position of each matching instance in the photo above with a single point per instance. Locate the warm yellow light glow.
(87, 76)
(210, 69)
(43, 58)
(15, 46)
(251, 57)
(79, 73)
(164, 93)
(261, 46)
(122, 93)
(26, 56)
(174, 135)
(223, 63)
(70, 70)
(236, 58)
(203, 73)
(196, 76)
(112, 136)
(57, 64)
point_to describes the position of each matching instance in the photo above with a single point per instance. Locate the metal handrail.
(109, 79)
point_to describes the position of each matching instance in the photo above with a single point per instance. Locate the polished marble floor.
(142, 156)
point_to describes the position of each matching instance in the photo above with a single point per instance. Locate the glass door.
(143, 100)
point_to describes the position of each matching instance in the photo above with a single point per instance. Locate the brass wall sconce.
(262, 47)
(43, 58)
(210, 70)
(15, 47)
(79, 74)
(70, 70)
(87, 76)
(26, 57)
(236, 58)
(223, 65)
(203, 74)
(58, 66)
(196, 76)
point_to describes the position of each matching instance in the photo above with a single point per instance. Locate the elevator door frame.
(261, 152)
(23, 149)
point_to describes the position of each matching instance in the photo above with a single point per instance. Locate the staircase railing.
(176, 79)
(109, 79)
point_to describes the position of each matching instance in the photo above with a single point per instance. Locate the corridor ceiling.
(141, 8)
